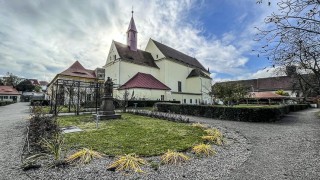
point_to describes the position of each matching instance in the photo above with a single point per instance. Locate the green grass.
(132, 134)
(251, 106)
(64, 109)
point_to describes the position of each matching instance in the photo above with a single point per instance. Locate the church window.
(196, 101)
(190, 101)
(184, 101)
(115, 57)
(162, 97)
(179, 86)
(157, 56)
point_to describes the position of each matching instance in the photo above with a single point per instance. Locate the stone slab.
(70, 129)
(105, 117)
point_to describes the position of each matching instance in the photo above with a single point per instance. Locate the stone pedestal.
(107, 109)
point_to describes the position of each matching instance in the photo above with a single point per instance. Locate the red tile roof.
(145, 81)
(76, 69)
(265, 95)
(8, 90)
(34, 81)
(43, 83)
(266, 84)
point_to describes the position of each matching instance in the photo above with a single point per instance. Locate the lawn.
(132, 134)
(251, 106)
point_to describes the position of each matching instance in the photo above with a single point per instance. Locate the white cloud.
(268, 72)
(41, 38)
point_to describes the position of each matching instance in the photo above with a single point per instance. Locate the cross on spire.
(132, 12)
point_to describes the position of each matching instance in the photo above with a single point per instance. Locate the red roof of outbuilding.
(8, 90)
(265, 95)
(145, 81)
(76, 69)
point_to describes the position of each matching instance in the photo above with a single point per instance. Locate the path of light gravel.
(287, 149)
(12, 133)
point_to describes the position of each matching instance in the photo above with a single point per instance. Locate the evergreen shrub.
(254, 114)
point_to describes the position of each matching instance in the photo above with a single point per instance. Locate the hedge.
(298, 107)
(256, 114)
(3, 103)
(39, 102)
(148, 103)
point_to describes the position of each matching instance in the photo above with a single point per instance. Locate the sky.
(40, 38)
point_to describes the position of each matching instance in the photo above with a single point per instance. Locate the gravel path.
(287, 149)
(12, 133)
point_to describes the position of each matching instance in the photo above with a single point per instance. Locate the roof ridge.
(170, 52)
(144, 80)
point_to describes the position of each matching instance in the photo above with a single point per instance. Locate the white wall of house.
(10, 98)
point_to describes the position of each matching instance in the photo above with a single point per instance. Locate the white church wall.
(187, 98)
(146, 94)
(113, 54)
(155, 52)
(193, 85)
(122, 71)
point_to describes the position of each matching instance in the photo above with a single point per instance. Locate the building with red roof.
(9, 93)
(70, 78)
(158, 72)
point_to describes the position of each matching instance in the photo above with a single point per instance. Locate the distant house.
(73, 82)
(44, 85)
(270, 84)
(34, 82)
(8, 93)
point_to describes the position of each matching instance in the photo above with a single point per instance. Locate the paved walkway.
(12, 133)
(287, 149)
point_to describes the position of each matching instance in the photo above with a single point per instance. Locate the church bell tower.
(132, 35)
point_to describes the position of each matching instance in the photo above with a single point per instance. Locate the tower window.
(179, 86)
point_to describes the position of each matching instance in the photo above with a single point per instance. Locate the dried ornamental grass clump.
(84, 156)
(198, 125)
(128, 162)
(54, 145)
(214, 135)
(203, 149)
(173, 157)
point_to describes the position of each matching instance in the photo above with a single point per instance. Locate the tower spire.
(132, 34)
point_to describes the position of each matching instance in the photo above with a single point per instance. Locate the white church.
(157, 73)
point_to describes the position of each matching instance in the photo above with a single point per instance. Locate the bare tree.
(292, 39)
(123, 101)
(229, 92)
(11, 80)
